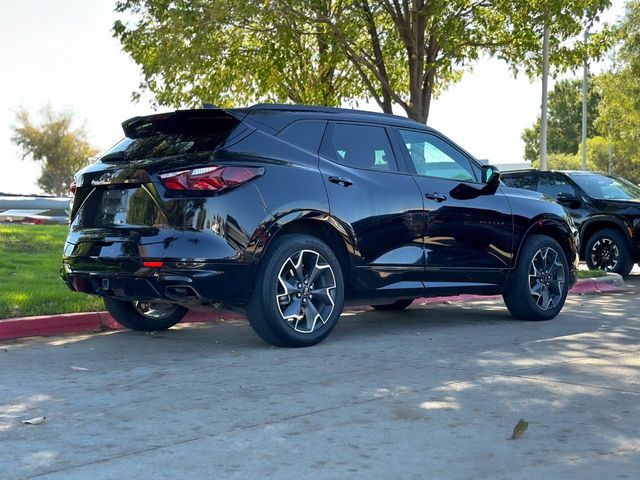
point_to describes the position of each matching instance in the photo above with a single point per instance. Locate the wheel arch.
(594, 224)
(316, 224)
(556, 229)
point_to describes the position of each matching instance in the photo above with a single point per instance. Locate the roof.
(321, 112)
(567, 172)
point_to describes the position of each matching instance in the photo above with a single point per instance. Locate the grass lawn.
(30, 283)
(591, 273)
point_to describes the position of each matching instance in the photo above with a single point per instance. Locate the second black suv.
(605, 208)
(289, 211)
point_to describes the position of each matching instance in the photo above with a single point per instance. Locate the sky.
(62, 53)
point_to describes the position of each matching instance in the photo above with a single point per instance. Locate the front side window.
(362, 146)
(553, 185)
(433, 157)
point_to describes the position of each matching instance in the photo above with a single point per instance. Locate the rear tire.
(608, 250)
(298, 294)
(145, 316)
(538, 287)
(395, 306)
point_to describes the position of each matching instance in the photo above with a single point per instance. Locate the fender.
(266, 231)
(545, 222)
(605, 219)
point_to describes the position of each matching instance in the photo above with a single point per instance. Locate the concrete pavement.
(433, 392)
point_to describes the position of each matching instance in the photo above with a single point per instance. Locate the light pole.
(584, 103)
(543, 115)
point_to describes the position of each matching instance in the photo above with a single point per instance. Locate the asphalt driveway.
(433, 392)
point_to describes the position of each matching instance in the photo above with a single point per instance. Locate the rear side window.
(528, 181)
(362, 146)
(306, 134)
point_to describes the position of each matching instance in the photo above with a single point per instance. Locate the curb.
(48, 325)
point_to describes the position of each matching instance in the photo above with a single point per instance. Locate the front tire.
(538, 286)
(608, 250)
(145, 316)
(298, 294)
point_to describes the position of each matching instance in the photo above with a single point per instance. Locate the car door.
(373, 195)
(555, 185)
(469, 232)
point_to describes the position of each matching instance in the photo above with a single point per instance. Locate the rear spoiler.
(180, 121)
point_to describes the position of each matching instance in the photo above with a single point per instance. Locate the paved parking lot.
(433, 392)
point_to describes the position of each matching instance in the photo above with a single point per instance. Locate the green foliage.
(620, 107)
(597, 157)
(564, 130)
(335, 51)
(30, 284)
(61, 149)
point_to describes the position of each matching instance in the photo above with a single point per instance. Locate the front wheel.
(298, 294)
(607, 250)
(145, 316)
(538, 286)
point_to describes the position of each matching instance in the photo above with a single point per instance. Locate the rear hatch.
(120, 204)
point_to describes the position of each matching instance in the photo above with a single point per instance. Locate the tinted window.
(362, 146)
(552, 185)
(606, 187)
(528, 181)
(434, 157)
(306, 134)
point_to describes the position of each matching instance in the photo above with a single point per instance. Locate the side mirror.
(568, 199)
(490, 175)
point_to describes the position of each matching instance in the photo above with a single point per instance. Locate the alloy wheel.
(546, 278)
(154, 310)
(605, 254)
(306, 291)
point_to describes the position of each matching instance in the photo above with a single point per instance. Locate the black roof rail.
(319, 109)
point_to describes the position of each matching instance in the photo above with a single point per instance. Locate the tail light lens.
(213, 179)
(72, 187)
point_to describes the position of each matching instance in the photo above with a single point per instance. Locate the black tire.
(131, 316)
(608, 250)
(395, 306)
(550, 275)
(271, 301)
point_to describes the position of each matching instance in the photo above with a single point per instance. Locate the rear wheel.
(145, 316)
(395, 306)
(538, 286)
(608, 250)
(298, 294)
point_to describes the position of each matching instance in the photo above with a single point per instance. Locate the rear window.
(165, 145)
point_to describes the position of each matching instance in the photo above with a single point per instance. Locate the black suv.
(288, 211)
(605, 208)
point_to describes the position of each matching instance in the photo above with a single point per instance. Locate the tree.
(332, 51)
(597, 157)
(620, 107)
(61, 149)
(564, 134)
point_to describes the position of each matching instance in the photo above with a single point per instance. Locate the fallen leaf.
(79, 369)
(519, 429)
(34, 421)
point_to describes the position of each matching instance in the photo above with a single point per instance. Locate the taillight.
(72, 187)
(213, 179)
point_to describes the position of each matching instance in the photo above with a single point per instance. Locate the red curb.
(47, 325)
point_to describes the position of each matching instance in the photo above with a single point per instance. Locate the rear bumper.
(184, 283)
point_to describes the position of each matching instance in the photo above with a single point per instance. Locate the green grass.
(30, 283)
(591, 273)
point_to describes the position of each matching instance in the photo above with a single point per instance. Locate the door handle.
(342, 181)
(438, 197)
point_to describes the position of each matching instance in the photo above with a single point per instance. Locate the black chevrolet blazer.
(289, 211)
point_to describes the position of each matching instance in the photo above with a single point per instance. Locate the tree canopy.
(564, 132)
(60, 148)
(332, 52)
